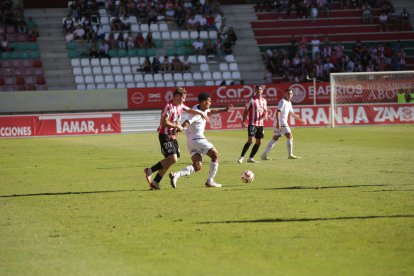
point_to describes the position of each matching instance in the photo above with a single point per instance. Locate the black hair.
(203, 97)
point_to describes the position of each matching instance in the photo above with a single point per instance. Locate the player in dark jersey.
(167, 135)
(256, 108)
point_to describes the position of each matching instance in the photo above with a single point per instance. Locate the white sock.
(213, 171)
(289, 143)
(186, 171)
(269, 146)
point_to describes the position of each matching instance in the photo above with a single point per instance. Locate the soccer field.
(81, 206)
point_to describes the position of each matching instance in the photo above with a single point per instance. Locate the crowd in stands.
(311, 58)
(83, 24)
(13, 23)
(318, 59)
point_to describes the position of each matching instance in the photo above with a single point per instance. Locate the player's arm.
(197, 112)
(278, 119)
(215, 111)
(165, 122)
(297, 117)
(246, 111)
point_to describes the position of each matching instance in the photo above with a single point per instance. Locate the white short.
(283, 131)
(200, 146)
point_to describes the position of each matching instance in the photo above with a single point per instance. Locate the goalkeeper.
(284, 109)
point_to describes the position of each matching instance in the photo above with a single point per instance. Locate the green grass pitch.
(80, 206)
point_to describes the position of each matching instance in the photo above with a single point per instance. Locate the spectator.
(146, 66)
(315, 47)
(68, 24)
(98, 32)
(198, 46)
(149, 41)
(129, 40)
(94, 52)
(210, 48)
(139, 41)
(176, 64)
(405, 19)
(4, 44)
(125, 23)
(231, 36)
(366, 17)
(165, 65)
(383, 22)
(103, 48)
(156, 65)
(186, 64)
(78, 34)
(227, 47)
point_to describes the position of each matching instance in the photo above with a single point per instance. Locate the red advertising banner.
(238, 95)
(320, 116)
(60, 124)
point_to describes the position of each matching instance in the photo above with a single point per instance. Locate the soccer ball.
(247, 176)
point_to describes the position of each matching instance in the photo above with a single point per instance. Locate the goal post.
(366, 88)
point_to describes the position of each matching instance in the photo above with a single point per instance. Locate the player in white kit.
(284, 109)
(198, 145)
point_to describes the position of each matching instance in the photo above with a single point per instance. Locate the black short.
(169, 146)
(256, 131)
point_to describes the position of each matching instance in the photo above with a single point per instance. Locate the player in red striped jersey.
(167, 135)
(256, 108)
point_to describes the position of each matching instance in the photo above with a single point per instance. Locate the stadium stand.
(20, 64)
(339, 39)
(138, 47)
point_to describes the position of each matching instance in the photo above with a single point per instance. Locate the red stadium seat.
(20, 81)
(37, 63)
(30, 87)
(2, 82)
(41, 80)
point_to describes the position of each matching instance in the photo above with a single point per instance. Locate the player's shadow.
(325, 187)
(277, 220)
(68, 193)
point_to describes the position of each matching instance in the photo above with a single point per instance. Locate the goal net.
(354, 96)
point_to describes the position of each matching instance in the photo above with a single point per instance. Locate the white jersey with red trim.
(285, 108)
(257, 108)
(195, 129)
(173, 113)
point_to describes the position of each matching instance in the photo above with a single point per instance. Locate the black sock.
(245, 148)
(156, 167)
(254, 150)
(158, 178)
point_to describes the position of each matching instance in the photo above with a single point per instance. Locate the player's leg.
(214, 164)
(270, 145)
(251, 131)
(171, 152)
(289, 144)
(186, 171)
(259, 135)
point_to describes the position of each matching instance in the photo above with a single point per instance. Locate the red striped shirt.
(257, 108)
(173, 113)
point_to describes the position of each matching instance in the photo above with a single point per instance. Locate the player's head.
(179, 94)
(258, 89)
(204, 100)
(288, 94)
